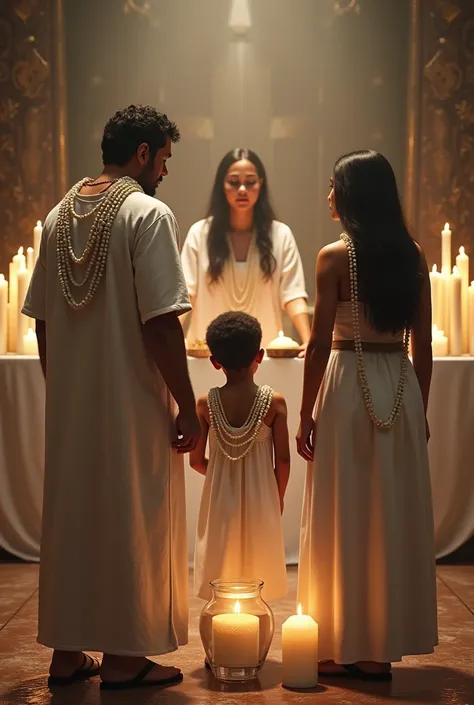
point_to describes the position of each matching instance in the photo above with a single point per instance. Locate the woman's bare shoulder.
(333, 255)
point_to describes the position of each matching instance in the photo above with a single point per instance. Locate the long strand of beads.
(97, 244)
(219, 422)
(387, 424)
(249, 423)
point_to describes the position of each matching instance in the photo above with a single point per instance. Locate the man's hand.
(188, 430)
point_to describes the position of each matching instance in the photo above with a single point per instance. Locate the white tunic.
(270, 297)
(113, 572)
(239, 534)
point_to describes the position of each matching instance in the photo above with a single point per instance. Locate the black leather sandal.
(80, 674)
(140, 682)
(357, 673)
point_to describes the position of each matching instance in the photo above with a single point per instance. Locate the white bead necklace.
(368, 401)
(240, 294)
(251, 428)
(97, 245)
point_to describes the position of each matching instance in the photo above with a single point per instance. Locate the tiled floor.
(442, 678)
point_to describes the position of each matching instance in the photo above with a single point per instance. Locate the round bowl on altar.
(198, 348)
(236, 628)
(282, 346)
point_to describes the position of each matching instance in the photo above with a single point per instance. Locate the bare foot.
(64, 663)
(118, 669)
(331, 668)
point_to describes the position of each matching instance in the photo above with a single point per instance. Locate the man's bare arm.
(41, 338)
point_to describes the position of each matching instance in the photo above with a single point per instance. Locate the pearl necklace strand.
(252, 426)
(241, 296)
(368, 401)
(97, 245)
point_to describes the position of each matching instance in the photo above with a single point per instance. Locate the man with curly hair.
(106, 294)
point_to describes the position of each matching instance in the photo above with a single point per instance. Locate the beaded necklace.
(249, 431)
(97, 245)
(368, 401)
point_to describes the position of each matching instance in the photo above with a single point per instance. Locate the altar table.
(451, 417)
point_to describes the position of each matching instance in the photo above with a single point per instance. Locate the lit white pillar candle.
(444, 300)
(23, 322)
(471, 318)
(455, 314)
(446, 261)
(439, 343)
(37, 235)
(18, 262)
(235, 639)
(436, 284)
(300, 651)
(462, 263)
(3, 314)
(30, 343)
(30, 260)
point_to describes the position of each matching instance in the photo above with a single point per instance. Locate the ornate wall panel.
(440, 174)
(32, 137)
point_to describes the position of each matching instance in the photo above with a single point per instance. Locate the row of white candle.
(235, 644)
(452, 302)
(16, 329)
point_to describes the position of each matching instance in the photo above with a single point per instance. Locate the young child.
(239, 533)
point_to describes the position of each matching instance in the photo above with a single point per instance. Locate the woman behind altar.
(239, 258)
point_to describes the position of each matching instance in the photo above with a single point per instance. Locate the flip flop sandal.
(357, 673)
(80, 674)
(140, 682)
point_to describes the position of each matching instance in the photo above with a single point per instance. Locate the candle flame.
(30, 249)
(280, 334)
(299, 610)
(461, 250)
(38, 224)
(446, 226)
(435, 268)
(237, 607)
(2, 277)
(20, 251)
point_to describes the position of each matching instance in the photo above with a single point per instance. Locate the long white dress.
(367, 557)
(113, 572)
(266, 299)
(239, 533)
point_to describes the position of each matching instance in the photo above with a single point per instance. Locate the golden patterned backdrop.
(31, 119)
(442, 181)
(440, 156)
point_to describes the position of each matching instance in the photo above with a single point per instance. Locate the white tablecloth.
(451, 451)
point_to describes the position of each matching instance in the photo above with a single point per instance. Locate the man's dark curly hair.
(234, 339)
(130, 127)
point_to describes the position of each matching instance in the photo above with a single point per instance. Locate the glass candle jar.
(236, 629)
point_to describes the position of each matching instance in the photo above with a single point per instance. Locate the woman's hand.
(305, 438)
(302, 354)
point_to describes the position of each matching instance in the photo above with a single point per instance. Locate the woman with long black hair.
(239, 258)
(367, 560)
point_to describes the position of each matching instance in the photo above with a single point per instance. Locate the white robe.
(287, 283)
(113, 572)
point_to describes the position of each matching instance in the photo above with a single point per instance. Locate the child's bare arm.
(281, 445)
(197, 457)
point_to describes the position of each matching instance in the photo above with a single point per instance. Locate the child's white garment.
(239, 533)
